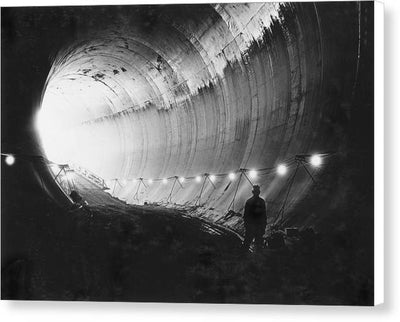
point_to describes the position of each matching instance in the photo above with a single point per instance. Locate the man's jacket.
(255, 210)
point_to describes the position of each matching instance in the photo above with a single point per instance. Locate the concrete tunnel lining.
(212, 90)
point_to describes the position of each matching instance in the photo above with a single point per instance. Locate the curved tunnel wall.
(165, 91)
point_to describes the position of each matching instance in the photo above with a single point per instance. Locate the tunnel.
(187, 106)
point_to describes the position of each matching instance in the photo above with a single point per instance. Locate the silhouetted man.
(255, 219)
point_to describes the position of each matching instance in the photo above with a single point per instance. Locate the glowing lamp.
(253, 174)
(164, 181)
(316, 160)
(281, 169)
(212, 177)
(181, 179)
(10, 160)
(231, 176)
(198, 179)
(150, 181)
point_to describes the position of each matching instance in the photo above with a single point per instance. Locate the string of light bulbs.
(281, 169)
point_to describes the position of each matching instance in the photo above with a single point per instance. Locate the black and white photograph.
(188, 153)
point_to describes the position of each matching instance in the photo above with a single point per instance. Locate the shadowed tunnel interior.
(164, 92)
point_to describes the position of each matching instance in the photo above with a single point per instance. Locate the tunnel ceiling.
(159, 91)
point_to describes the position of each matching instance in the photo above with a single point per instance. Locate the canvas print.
(202, 153)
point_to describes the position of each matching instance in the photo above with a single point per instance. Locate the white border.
(379, 154)
(89, 311)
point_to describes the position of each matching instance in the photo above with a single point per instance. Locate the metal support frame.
(291, 181)
(136, 195)
(243, 171)
(169, 198)
(198, 199)
(70, 181)
(234, 195)
(242, 174)
(300, 161)
(308, 172)
(61, 169)
(115, 184)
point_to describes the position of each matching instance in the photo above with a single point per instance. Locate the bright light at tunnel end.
(59, 120)
(52, 131)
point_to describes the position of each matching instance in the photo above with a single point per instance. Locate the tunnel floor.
(119, 252)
